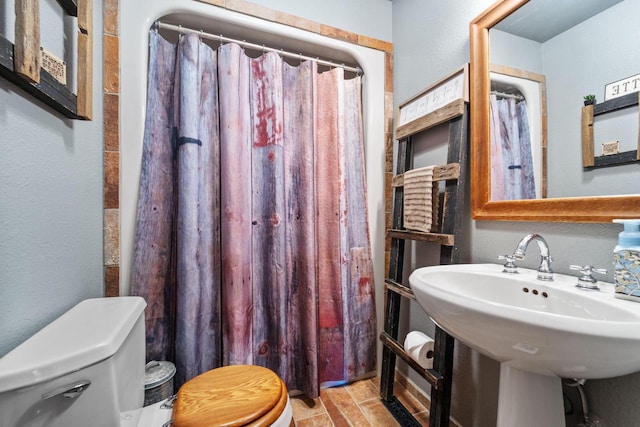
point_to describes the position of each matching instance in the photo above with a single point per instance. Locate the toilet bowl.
(87, 368)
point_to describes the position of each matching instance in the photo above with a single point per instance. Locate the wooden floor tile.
(354, 405)
(377, 414)
(339, 419)
(318, 421)
(342, 405)
(407, 399)
(422, 417)
(303, 407)
(363, 390)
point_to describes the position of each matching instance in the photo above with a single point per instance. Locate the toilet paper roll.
(420, 347)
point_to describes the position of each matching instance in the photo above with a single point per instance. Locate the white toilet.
(87, 368)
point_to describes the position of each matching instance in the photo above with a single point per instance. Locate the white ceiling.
(541, 20)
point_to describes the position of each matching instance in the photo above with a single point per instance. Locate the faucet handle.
(586, 280)
(510, 264)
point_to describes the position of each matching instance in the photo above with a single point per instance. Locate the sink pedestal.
(526, 399)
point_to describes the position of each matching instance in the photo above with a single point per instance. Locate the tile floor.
(356, 404)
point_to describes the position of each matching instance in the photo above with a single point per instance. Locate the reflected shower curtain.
(252, 241)
(512, 175)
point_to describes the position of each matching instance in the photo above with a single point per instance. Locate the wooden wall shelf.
(48, 90)
(589, 112)
(20, 63)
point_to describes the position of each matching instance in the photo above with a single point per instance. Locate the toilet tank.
(86, 368)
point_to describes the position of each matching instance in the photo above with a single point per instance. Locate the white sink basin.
(553, 329)
(533, 328)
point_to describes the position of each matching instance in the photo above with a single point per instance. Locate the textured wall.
(50, 206)
(570, 75)
(431, 40)
(371, 18)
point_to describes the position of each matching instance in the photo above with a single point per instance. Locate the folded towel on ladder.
(418, 203)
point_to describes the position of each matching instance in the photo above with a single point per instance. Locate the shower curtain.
(512, 175)
(252, 242)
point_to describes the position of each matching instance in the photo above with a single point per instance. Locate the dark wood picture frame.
(20, 63)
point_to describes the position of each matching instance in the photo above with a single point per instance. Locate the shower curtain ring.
(201, 34)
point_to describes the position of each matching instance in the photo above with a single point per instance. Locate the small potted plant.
(589, 99)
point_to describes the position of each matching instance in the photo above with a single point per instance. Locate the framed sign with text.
(436, 104)
(622, 87)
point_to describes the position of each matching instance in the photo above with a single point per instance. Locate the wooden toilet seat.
(237, 395)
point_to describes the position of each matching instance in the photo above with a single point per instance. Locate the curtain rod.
(223, 39)
(508, 95)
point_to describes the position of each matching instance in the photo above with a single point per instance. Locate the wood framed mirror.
(600, 208)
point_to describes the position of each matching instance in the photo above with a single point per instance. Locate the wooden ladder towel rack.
(446, 231)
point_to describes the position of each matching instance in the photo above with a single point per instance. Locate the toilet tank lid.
(88, 333)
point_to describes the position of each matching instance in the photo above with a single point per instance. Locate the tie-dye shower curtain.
(512, 174)
(252, 241)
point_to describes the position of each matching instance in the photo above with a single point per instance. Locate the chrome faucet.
(544, 270)
(586, 279)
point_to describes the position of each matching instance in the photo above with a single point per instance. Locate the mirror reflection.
(545, 58)
(517, 115)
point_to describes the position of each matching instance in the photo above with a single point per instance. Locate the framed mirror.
(575, 194)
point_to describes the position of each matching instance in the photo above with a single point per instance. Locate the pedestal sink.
(539, 331)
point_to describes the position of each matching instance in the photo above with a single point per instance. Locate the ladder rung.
(443, 239)
(440, 173)
(432, 376)
(399, 288)
(446, 205)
